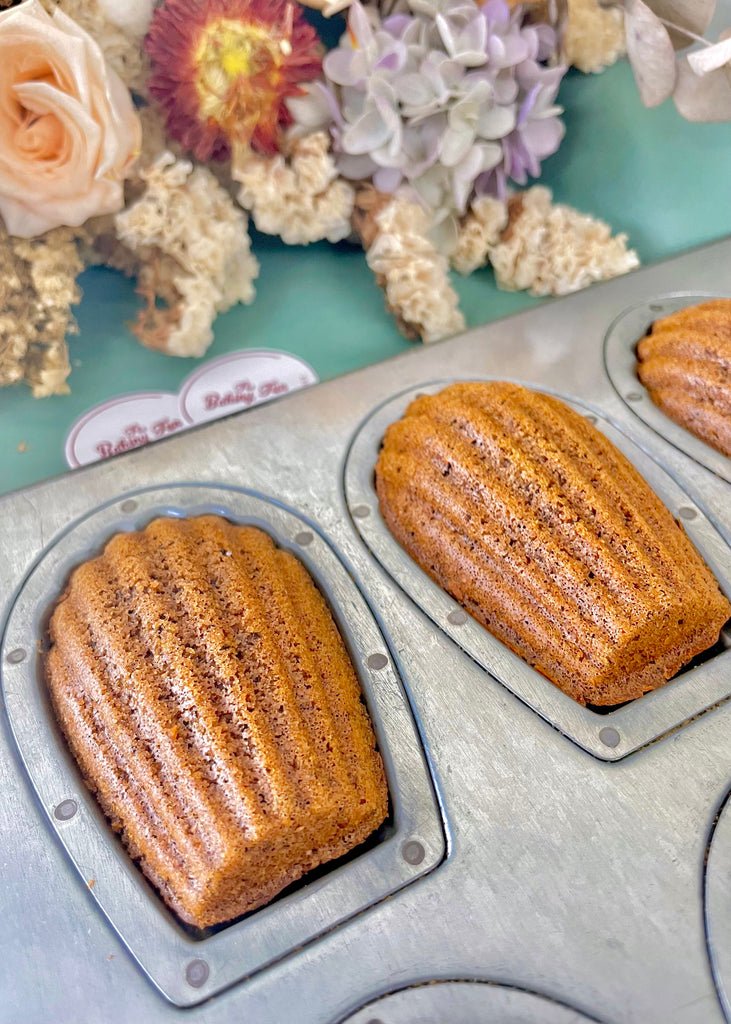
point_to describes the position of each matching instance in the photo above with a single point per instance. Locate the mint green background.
(646, 172)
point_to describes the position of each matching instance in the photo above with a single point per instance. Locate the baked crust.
(685, 364)
(526, 514)
(208, 698)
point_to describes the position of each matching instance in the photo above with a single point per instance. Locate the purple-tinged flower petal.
(497, 14)
(357, 168)
(496, 122)
(506, 89)
(341, 68)
(543, 137)
(359, 26)
(527, 105)
(413, 90)
(396, 25)
(368, 132)
(387, 179)
(455, 145)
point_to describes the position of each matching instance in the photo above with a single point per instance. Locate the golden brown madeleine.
(544, 532)
(208, 698)
(685, 364)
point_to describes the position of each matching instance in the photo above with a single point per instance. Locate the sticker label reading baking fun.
(229, 384)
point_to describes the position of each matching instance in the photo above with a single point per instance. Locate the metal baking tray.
(573, 883)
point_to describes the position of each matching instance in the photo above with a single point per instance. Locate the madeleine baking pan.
(542, 862)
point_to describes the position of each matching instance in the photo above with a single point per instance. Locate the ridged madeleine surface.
(685, 364)
(210, 703)
(544, 532)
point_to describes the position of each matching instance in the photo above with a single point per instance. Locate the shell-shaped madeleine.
(685, 364)
(525, 513)
(209, 700)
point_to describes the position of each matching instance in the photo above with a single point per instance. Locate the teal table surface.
(648, 173)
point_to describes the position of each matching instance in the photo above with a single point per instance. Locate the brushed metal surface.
(571, 877)
(163, 949)
(464, 1002)
(612, 734)
(718, 904)
(621, 362)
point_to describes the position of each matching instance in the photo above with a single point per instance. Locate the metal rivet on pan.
(377, 661)
(361, 511)
(634, 396)
(609, 736)
(590, 417)
(65, 810)
(655, 308)
(374, 1020)
(15, 657)
(687, 513)
(304, 538)
(457, 618)
(413, 852)
(196, 973)
(129, 505)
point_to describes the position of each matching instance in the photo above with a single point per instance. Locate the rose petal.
(68, 128)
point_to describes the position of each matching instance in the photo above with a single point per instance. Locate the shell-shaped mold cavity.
(669, 359)
(685, 364)
(560, 539)
(211, 705)
(229, 695)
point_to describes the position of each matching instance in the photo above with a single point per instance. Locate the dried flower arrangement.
(143, 135)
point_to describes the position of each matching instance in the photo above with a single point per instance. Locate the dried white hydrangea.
(479, 231)
(413, 274)
(120, 42)
(134, 16)
(551, 249)
(301, 198)
(194, 252)
(593, 37)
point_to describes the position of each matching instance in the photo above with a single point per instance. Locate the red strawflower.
(222, 69)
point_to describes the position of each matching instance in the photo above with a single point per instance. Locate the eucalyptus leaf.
(703, 98)
(650, 52)
(694, 15)
(710, 58)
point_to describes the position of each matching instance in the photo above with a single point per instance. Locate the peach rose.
(68, 129)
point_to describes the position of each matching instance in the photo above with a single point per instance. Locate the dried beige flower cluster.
(194, 271)
(414, 276)
(122, 48)
(551, 249)
(479, 232)
(37, 289)
(593, 36)
(302, 199)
